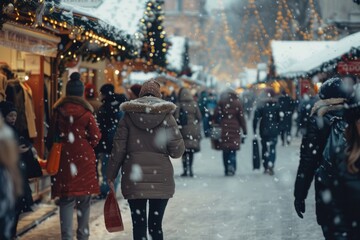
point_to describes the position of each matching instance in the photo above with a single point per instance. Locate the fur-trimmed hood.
(322, 107)
(147, 112)
(73, 106)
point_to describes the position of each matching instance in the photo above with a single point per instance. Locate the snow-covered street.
(210, 206)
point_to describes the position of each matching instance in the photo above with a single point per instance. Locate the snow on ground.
(248, 206)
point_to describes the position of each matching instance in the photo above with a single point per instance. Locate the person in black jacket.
(347, 198)
(267, 113)
(333, 94)
(286, 111)
(108, 117)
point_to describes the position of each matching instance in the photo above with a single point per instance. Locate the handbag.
(256, 154)
(53, 160)
(112, 214)
(215, 131)
(54, 156)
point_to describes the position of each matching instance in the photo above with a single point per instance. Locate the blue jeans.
(229, 158)
(268, 149)
(104, 187)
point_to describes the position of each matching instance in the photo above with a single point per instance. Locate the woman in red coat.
(76, 180)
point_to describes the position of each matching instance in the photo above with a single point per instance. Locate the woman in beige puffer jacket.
(145, 140)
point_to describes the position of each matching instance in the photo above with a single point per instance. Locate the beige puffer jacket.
(145, 139)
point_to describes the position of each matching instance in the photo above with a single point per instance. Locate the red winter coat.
(230, 113)
(80, 134)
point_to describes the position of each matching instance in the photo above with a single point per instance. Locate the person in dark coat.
(267, 113)
(347, 210)
(108, 118)
(333, 95)
(76, 179)
(10, 180)
(25, 202)
(202, 103)
(188, 117)
(145, 140)
(230, 115)
(304, 110)
(286, 105)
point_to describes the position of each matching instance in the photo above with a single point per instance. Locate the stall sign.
(24, 42)
(351, 67)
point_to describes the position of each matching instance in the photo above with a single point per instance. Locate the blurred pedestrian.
(202, 101)
(305, 106)
(230, 115)
(287, 106)
(134, 91)
(267, 113)
(92, 97)
(145, 140)
(314, 164)
(24, 202)
(10, 180)
(108, 118)
(76, 179)
(188, 117)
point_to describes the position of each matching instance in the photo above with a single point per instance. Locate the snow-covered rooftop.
(289, 53)
(124, 14)
(249, 76)
(336, 50)
(139, 77)
(175, 54)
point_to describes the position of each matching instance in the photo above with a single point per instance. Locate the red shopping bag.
(112, 214)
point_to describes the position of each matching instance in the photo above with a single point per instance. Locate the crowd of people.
(128, 139)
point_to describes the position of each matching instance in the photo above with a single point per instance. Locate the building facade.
(344, 14)
(187, 18)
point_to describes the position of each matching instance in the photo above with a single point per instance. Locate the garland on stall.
(155, 47)
(5, 7)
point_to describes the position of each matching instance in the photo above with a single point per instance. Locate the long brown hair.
(353, 151)
(9, 156)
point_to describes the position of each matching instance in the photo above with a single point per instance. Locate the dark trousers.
(229, 159)
(187, 160)
(268, 149)
(154, 221)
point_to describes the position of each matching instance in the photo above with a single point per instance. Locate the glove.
(243, 137)
(299, 207)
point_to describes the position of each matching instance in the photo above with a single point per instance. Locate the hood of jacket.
(147, 112)
(185, 95)
(72, 106)
(324, 106)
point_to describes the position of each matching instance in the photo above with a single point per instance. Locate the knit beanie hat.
(107, 89)
(75, 87)
(135, 88)
(7, 107)
(150, 87)
(335, 88)
(352, 108)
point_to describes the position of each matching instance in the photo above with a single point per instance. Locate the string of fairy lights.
(286, 28)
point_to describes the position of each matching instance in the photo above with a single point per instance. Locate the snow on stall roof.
(124, 14)
(289, 53)
(175, 54)
(250, 75)
(139, 77)
(336, 50)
